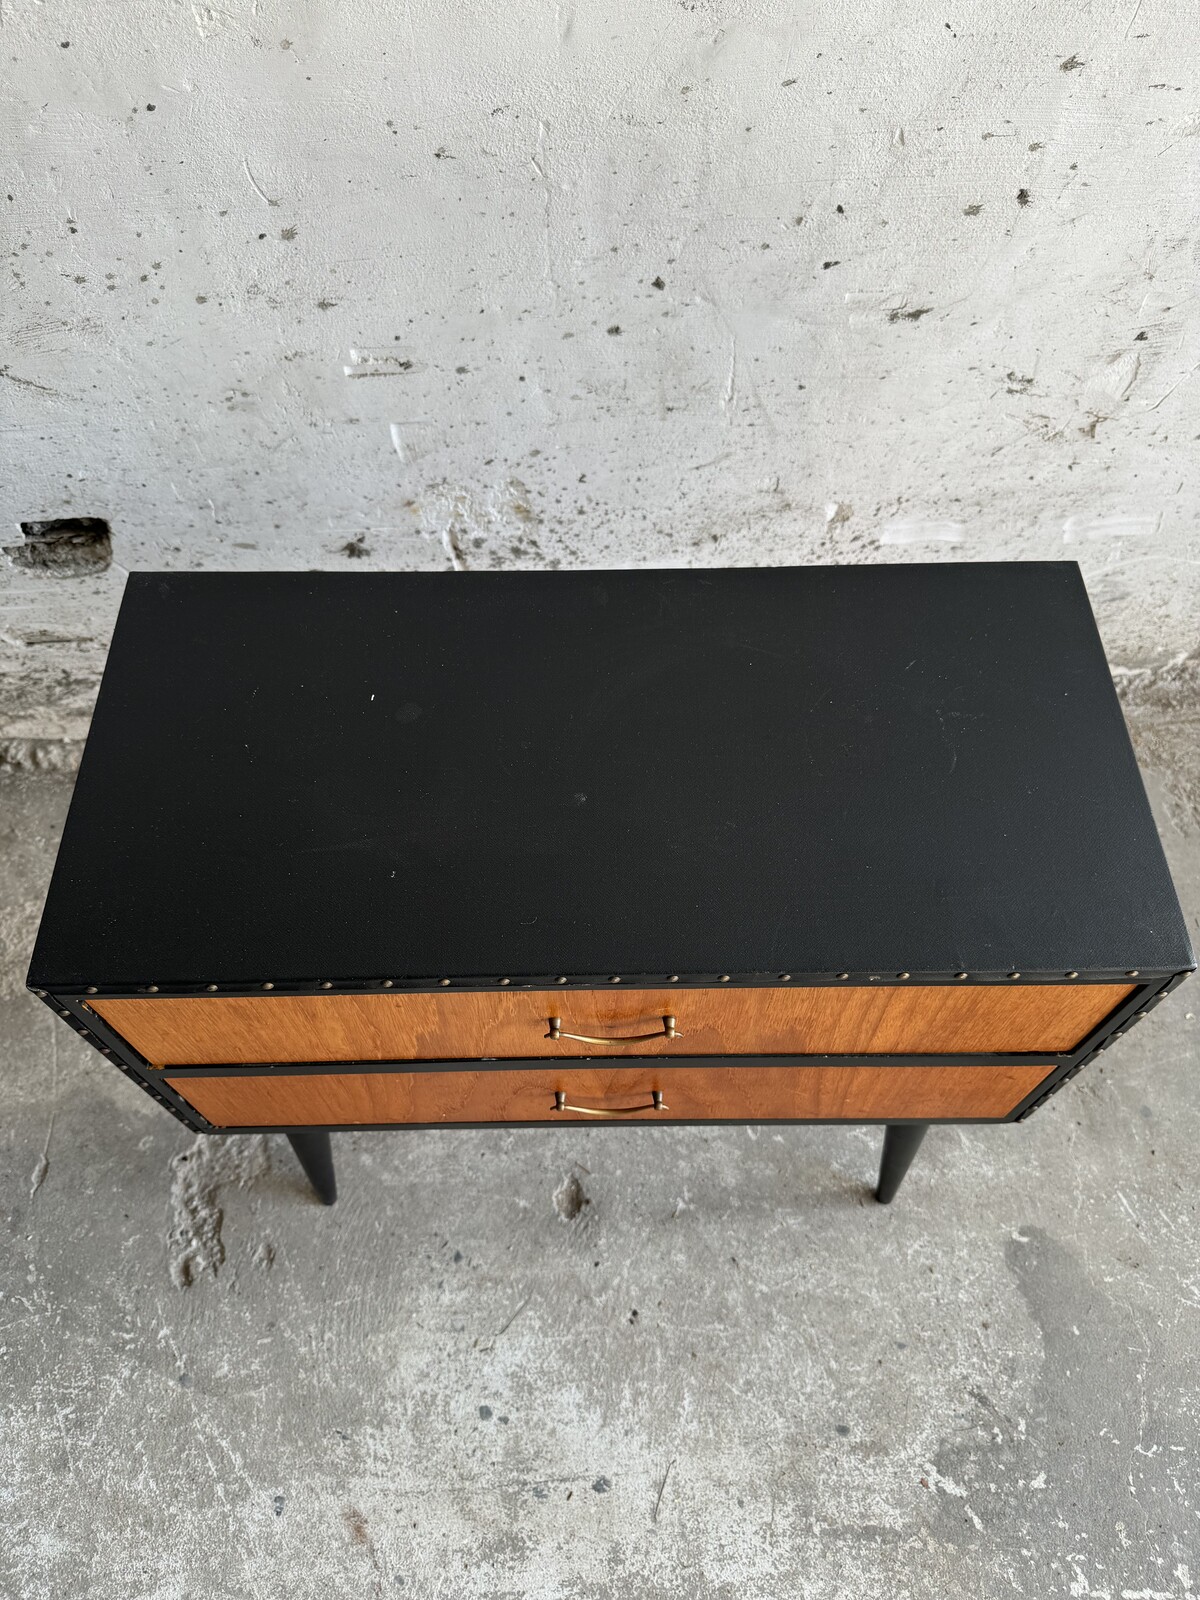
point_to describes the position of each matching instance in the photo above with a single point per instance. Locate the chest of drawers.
(419, 850)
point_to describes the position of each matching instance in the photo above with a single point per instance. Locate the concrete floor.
(595, 1361)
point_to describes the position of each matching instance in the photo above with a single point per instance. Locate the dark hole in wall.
(64, 547)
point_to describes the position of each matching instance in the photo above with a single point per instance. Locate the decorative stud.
(388, 984)
(961, 974)
(674, 978)
(445, 983)
(785, 977)
(1133, 974)
(843, 976)
(614, 980)
(1072, 974)
(505, 981)
(211, 987)
(92, 989)
(1014, 974)
(326, 984)
(560, 980)
(268, 985)
(903, 974)
(724, 978)
(152, 989)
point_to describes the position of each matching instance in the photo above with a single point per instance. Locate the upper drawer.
(929, 1020)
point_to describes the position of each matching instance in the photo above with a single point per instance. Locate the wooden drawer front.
(1050, 1018)
(499, 1094)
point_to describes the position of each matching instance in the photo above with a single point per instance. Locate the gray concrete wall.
(296, 284)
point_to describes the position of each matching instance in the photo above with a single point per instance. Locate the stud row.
(358, 986)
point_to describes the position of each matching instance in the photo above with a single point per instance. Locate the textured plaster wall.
(301, 284)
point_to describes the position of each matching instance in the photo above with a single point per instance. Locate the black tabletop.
(297, 777)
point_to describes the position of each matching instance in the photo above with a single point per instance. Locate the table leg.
(315, 1154)
(901, 1141)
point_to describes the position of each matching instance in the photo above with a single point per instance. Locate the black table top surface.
(297, 777)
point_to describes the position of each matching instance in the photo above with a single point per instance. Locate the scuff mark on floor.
(569, 1198)
(42, 1165)
(198, 1175)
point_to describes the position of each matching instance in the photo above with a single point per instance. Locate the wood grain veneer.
(923, 1020)
(743, 1094)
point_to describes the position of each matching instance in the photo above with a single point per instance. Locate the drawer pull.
(656, 1104)
(667, 1032)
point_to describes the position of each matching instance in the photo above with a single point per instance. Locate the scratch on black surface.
(368, 843)
(762, 649)
(948, 740)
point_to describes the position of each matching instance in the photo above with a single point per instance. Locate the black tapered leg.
(901, 1141)
(315, 1154)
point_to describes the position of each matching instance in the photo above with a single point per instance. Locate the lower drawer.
(635, 1094)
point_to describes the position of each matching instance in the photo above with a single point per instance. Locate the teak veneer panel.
(743, 1094)
(923, 1020)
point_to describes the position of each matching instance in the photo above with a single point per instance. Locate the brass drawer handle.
(656, 1104)
(668, 1032)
